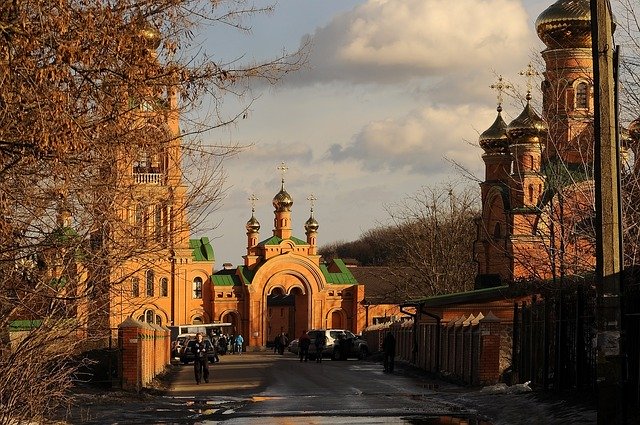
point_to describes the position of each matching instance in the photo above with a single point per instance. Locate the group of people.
(204, 347)
(304, 342)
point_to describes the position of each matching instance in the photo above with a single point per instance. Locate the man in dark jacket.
(201, 348)
(389, 350)
(303, 344)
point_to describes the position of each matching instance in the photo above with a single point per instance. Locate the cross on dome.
(283, 169)
(529, 73)
(500, 86)
(253, 198)
(312, 200)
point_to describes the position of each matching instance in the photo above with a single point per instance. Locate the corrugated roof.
(201, 249)
(276, 240)
(24, 325)
(385, 285)
(342, 277)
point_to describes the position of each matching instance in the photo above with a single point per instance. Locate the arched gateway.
(283, 287)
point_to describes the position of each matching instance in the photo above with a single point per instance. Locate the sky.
(394, 93)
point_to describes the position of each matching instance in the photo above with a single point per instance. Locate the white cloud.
(418, 142)
(391, 41)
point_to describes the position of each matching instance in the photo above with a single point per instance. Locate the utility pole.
(611, 408)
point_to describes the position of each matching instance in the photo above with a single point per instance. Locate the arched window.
(149, 316)
(135, 287)
(158, 320)
(497, 231)
(197, 287)
(150, 285)
(582, 96)
(530, 193)
(197, 320)
(164, 287)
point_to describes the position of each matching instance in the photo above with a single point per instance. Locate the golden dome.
(566, 24)
(151, 36)
(311, 225)
(528, 123)
(253, 225)
(494, 139)
(282, 201)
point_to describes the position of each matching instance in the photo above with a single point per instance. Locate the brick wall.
(467, 349)
(145, 352)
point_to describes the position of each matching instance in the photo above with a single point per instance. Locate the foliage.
(431, 233)
(86, 86)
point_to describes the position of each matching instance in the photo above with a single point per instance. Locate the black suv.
(340, 344)
(188, 354)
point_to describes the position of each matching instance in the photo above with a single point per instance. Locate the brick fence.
(466, 349)
(145, 352)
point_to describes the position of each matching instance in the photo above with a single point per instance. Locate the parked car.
(177, 346)
(341, 344)
(188, 355)
(294, 347)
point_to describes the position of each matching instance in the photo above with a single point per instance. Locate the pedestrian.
(201, 348)
(283, 342)
(222, 344)
(320, 343)
(238, 343)
(389, 350)
(303, 345)
(276, 344)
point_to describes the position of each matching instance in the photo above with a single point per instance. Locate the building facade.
(538, 194)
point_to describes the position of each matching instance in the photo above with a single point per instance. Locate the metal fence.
(553, 339)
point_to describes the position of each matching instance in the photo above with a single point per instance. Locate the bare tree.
(85, 88)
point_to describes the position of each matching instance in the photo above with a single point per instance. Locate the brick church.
(538, 194)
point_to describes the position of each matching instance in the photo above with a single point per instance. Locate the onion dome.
(528, 123)
(282, 201)
(566, 24)
(253, 225)
(151, 36)
(634, 129)
(494, 139)
(311, 225)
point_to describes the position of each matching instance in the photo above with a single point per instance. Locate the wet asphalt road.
(266, 388)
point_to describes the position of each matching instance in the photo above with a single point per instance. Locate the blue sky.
(394, 90)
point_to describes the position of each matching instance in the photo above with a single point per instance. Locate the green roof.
(276, 240)
(202, 249)
(232, 277)
(225, 280)
(343, 277)
(478, 295)
(24, 325)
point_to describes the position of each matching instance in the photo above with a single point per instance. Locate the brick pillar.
(129, 341)
(488, 371)
(466, 349)
(459, 346)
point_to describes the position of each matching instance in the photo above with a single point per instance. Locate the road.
(266, 388)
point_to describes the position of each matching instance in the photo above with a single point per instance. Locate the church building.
(538, 194)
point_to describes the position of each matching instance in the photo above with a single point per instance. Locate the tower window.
(530, 193)
(150, 279)
(135, 287)
(497, 231)
(197, 288)
(164, 287)
(582, 99)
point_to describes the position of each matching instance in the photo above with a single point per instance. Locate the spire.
(311, 226)
(282, 201)
(494, 139)
(253, 225)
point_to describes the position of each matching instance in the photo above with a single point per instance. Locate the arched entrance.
(287, 313)
(233, 318)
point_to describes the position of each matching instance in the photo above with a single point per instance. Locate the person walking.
(320, 343)
(389, 350)
(303, 344)
(283, 342)
(238, 343)
(200, 348)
